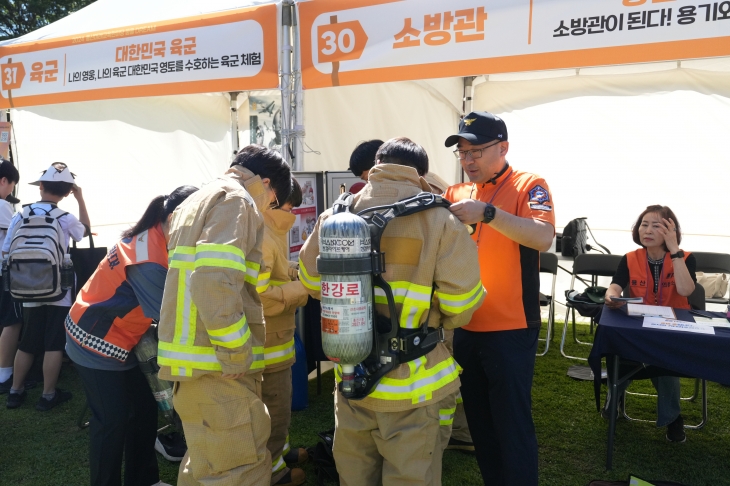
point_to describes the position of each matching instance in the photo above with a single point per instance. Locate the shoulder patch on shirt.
(539, 194)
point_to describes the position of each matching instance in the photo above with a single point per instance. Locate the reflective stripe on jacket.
(424, 251)
(211, 318)
(106, 317)
(280, 295)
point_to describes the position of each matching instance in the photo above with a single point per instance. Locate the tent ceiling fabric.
(124, 152)
(611, 145)
(337, 119)
(502, 94)
(112, 14)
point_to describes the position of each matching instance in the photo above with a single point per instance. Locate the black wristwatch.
(679, 254)
(489, 212)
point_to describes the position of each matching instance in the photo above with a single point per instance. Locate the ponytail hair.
(159, 209)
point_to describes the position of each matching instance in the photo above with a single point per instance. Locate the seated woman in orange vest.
(661, 274)
(111, 313)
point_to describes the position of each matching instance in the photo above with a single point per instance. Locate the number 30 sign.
(341, 42)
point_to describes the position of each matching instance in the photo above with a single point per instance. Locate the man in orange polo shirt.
(514, 220)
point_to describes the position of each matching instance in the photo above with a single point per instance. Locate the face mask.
(258, 192)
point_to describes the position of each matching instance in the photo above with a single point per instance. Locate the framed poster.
(306, 214)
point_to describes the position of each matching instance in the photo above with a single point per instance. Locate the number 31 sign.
(12, 75)
(341, 42)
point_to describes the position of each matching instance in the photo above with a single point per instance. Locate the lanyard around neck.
(499, 187)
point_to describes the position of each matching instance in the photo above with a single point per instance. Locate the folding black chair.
(713, 263)
(549, 264)
(594, 266)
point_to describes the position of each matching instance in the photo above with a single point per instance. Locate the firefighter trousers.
(277, 394)
(460, 428)
(226, 427)
(391, 448)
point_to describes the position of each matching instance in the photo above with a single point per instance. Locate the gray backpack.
(36, 254)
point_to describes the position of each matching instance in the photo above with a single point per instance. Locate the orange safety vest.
(107, 317)
(641, 281)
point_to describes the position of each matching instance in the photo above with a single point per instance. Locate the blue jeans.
(667, 404)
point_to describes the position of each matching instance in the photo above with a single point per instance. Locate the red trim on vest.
(641, 281)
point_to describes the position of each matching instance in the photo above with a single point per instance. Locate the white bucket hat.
(57, 172)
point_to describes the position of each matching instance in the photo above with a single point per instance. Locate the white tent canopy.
(114, 14)
(609, 140)
(126, 151)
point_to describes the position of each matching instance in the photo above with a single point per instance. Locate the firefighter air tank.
(347, 299)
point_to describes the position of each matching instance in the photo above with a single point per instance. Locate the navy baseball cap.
(479, 127)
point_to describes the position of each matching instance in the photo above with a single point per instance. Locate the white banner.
(409, 39)
(195, 55)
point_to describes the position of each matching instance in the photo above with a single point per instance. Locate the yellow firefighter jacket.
(211, 319)
(279, 293)
(430, 250)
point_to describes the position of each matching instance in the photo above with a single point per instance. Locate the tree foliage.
(20, 17)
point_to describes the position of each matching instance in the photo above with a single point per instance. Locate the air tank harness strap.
(392, 345)
(412, 343)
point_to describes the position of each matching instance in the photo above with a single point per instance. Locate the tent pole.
(466, 108)
(298, 100)
(234, 122)
(287, 9)
(468, 85)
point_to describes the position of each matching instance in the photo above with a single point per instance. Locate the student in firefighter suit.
(362, 160)
(397, 434)
(281, 293)
(212, 325)
(111, 313)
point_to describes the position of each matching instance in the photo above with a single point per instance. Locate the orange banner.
(371, 41)
(227, 51)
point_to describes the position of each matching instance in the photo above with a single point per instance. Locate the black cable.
(596, 242)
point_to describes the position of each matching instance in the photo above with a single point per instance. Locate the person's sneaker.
(7, 384)
(172, 446)
(675, 430)
(294, 477)
(460, 445)
(296, 456)
(61, 396)
(16, 399)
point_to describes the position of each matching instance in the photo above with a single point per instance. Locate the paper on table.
(716, 322)
(675, 325)
(650, 310)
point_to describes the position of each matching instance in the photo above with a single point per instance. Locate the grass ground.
(47, 449)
